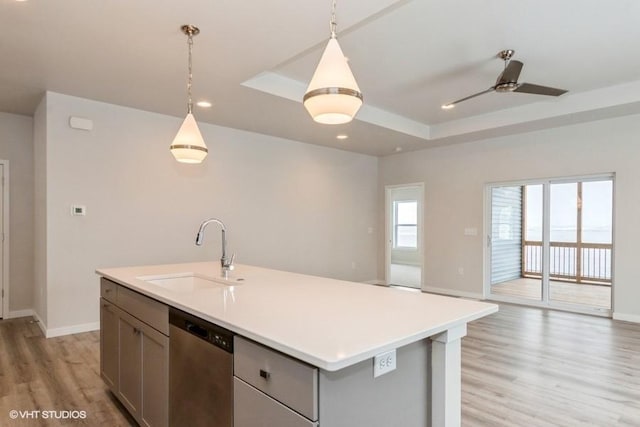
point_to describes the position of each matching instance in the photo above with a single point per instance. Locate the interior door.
(404, 235)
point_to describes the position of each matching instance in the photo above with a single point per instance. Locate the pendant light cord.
(190, 101)
(333, 23)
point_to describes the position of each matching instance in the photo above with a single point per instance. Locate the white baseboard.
(41, 324)
(56, 332)
(29, 312)
(635, 318)
(452, 292)
(75, 329)
(19, 313)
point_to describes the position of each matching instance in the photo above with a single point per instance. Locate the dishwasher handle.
(200, 328)
(196, 330)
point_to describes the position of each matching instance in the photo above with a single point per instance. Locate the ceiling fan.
(508, 82)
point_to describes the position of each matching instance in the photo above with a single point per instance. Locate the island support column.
(446, 359)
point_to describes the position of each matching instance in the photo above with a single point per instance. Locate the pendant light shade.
(188, 146)
(333, 96)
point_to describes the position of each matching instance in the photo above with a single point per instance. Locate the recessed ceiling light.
(204, 104)
(342, 136)
(448, 106)
(398, 149)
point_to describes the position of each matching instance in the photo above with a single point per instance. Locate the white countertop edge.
(328, 365)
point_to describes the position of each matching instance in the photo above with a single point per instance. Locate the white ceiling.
(254, 58)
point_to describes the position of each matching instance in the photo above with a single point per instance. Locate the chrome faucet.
(226, 264)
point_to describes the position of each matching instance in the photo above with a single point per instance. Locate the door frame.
(4, 236)
(388, 233)
(545, 302)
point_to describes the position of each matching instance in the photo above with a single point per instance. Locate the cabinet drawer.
(150, 311)
(252, 408)
(287, 380)
(108, 290)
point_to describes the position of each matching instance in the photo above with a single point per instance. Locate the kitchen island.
(335, 326)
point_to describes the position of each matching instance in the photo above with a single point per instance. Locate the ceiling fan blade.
(539, 90)
(451, 104)
(510, 73)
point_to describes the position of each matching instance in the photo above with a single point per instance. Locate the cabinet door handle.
(264, 374)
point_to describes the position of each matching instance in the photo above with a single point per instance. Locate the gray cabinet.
(109, 343)
(129, 389)
(252, 408)
(275, 390)
(272, 389)
(134, 350)
(155, 377)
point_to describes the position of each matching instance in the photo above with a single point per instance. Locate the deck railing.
(575, 262)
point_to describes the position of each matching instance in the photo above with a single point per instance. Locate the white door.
(404, 235)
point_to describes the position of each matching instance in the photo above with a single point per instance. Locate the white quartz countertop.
(327, 323)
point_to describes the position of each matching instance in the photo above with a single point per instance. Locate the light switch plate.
(384, 363)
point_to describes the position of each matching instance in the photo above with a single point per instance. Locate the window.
(405, 220)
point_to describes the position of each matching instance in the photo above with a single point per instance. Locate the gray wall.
(40, 214)
(16, 146)
(287, 205)
(455, 178)
(267, 188)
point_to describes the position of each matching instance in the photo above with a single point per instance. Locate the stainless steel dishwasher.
(200, 372)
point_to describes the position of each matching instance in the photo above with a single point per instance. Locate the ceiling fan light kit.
(333, 95)
(188, 146)
(508, 82)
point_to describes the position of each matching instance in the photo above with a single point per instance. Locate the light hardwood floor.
(573, 293)
(534, 367)
(56, 374)
(520, 367)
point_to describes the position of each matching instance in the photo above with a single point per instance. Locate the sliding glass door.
(516, 217)
(581, 243)
(551, 243)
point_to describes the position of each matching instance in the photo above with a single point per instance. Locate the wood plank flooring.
(534, 367)
(520, 367)
(56, 374)
(573, 293)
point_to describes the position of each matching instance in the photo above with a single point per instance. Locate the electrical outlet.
(383, 363)
(461, 271)
(470, 231)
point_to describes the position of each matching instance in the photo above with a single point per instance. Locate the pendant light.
(188, 145)
(333, 96)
